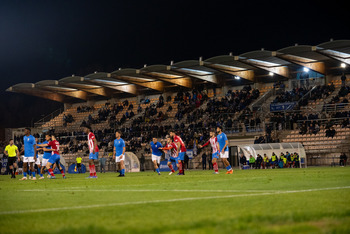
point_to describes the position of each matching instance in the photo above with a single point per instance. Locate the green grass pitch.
(312, 200)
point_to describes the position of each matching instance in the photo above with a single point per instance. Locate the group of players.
(51, 157)
(176, 147)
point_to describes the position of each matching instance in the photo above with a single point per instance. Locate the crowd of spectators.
(85, 108)
(67, 119)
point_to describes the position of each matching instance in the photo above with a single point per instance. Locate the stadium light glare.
(270, 73)
(306, 69)
(237, 78)
(343, 65)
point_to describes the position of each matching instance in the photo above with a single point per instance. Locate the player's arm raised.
(207, 143)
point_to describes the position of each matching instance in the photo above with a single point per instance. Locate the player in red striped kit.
(55, 157)
(216, 150)
(93, 148)
(173, 153)
(180, 153)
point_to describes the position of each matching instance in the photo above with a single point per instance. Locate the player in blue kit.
(223, 143)
(46, 156)
(156, 153)
(29, 153)
(119, 152)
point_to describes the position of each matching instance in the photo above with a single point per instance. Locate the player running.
(11, 151)
(55, 157)
(29, 154)
(93, 151)
(180, 154)
(223, 143)
(172, 147)
(156, 153)
(216, 150)
(119, 152)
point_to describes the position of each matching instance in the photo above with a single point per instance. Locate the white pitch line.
(160, 201)
(143, 190)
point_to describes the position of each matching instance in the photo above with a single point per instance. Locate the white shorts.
(156, 158)
(44, 162)
(119, 158)
(28, 159)
(224, 155)
(37, 162)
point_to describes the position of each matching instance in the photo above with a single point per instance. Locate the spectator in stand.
(251, 162)
(343, 80)
(258, 162)
(139, 109)
(330, 132)
(343, 159)
(204, 161)
(242, 160)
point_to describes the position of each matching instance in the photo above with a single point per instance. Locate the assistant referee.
(11, 151)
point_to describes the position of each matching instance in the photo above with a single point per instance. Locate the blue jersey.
(29, 142)
(47, 154)
(119, 144)
(155, 148)
(222, 138)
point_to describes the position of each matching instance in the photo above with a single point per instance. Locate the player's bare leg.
(122, 168)
(32, 169)
(155, 164)
(170, 165)
(180, 166)
(25, 170)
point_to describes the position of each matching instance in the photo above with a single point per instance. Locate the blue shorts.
(181, 156)
(215, 155)
(172, 159)
(55, 158)
(93, 156)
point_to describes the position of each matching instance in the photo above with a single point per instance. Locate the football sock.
(180, 167)
(51, 172)
(229, 168)
(11, 171)
(157, 170)
(171, 168)
(33, 173)
(215, 167)
(14, 171)
(94, 170)
(62, 172)
(122, 171)
(24, 174)
(91, 173)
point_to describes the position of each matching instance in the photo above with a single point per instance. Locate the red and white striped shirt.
(173, 149)
(182, 144)
(214, 144)
(91, 138)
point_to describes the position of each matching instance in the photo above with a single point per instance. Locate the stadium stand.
(194, 96)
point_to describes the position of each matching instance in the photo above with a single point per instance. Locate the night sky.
(54, 39)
